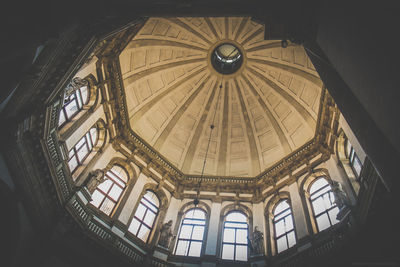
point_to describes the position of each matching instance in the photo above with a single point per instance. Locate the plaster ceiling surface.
(262, 112)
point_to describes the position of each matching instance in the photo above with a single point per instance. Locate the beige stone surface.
(264, 111)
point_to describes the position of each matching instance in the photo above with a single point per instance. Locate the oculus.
(226, 58)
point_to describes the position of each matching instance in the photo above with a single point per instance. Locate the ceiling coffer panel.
(261, 113)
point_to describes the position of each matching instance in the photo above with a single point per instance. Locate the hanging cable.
(196, 200)
(212, 126)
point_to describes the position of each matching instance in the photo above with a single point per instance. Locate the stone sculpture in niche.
(165, 234)
(95, 178)
(257, 242)
(341, 200)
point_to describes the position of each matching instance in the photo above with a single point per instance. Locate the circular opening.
(226, 58)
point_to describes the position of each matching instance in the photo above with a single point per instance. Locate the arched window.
(235, 236)
(74, 102)
(283, 226)
(191, 233)
(323, 203)
(354, 160)
(143, 221)
(81, 150)
(108, 193)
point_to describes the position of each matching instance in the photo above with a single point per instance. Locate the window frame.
(235, 244)
(191, 240)
(352, 157)
(90, 145)
(77, 95)
(141, 221)
(326, 211)
(106, 194)
(286, 233)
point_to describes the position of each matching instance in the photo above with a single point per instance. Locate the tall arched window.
(108, 193)
(191, 233)
(283, 226)
(81, 150)
(74, 102)
(323, 204)
(235, 236)
(354, 160)
(143, 221)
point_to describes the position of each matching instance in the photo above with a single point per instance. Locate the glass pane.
(236, 217)
(120, 172)
(71, 153)
(134, 226)
(97, 197)
(140, 211)
(195, 249)
(198, 232)
(279, 228)
(357, 165)
(318, 184)
(332, 215)
(149, 218)
(229, 235)
(186, 230)
(236, 225)
(291, 239)
(241, 253)
(182, 247)
(348, 148)
(241, 236)
(281, 206)
(93, 135)
(115, 192)
(152, 198)
(82, 153)
(283, 214)
(80, 143)
(84, 93)
(288, 223)
(62, 118)
(329, 199)
(321, 191)
(227, 252)
(105, 186)
(281, 244)
(198, 222)
(72, 164)
(78, 97)
(149, 205)
(197, 214)
(107, 206)
(71, 109)
(318, 205)
(115, 178)
(143, 233)
(323, 222)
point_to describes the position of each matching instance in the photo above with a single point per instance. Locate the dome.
(262, 111)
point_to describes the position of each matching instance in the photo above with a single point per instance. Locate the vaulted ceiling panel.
(262, 112)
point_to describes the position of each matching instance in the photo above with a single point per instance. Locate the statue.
(257, 242)
(340, 196)
(94, 178)
(341, 200)
(165, 234)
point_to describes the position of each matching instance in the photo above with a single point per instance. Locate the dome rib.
(189, 155)
(139, 113)
(178, 114)
(266, 109)
(281, 135)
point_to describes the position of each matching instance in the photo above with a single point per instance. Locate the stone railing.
(100, 230)
(76, 200)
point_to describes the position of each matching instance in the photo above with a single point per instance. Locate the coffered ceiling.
(262, 112)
